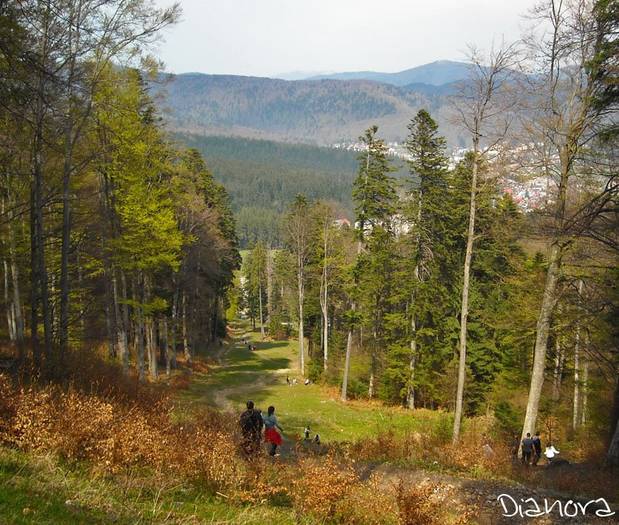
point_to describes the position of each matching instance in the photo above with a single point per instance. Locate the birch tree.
(297, 226)
(566, 47)
(484, 109)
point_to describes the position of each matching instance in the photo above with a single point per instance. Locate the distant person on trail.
(306, 432)
(251, 428)
(288, 380)
(537, 448)
(527, 449)
(317, 439)
(550, 453)
(271, 435)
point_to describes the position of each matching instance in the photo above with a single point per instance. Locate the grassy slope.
(42, 490)
(261, 376)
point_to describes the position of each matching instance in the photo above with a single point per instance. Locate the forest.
(262, 176)
(108, 230)
(443, 294)
(153, 282)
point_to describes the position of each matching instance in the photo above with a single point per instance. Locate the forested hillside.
(309, 111)
(411, 314)
(262, 177)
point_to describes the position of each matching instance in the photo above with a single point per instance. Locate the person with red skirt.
(271, 434)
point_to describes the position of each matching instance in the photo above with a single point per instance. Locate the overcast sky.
(270, 37)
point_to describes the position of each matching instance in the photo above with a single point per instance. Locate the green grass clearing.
(261, 376)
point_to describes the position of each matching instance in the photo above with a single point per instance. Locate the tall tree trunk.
(139, 327)
(269, 283)
(558, 370)
(16, 300)
(410, 398)
(172, 348)
(34, 283)
(121, 327)
(186, 348)
(151, 344)
(324, 306)
(10, 317)
(541, 339)
(324, 298)
(165, 347)
(65, 250)
(465, 298)
(260, 306)
(585, 391)
(576, 401)
(344, 395)
(301, 328)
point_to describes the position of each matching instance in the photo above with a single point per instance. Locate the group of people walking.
(252, 421)
(532, 449)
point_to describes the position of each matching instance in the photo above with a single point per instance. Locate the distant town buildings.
(528, 190)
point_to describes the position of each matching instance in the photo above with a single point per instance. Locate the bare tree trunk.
(324, 296)
(585, 391)
(10, 318)
(325, 321)
(301, 288)
(410, 397)
(121, 327)
(109, 331)
(558, 370)
(465, 298)
(17, 306)
(541, 340)
(260, 306)
(139, 328)
(172, 348)
(344, 395)
(65, 250)
(269, 283)
(186, 349)
(576, 401)
(34, 283)
(151, 344)
(164, 345)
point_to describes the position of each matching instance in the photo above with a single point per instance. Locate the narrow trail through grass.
(260, 375)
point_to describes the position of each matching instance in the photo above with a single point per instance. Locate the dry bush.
(114, 435)
(320, 485)
(429, 504)
(368, 504)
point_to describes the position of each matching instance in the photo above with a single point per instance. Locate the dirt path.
(482, 494)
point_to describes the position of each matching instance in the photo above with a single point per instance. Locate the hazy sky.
(269, 37)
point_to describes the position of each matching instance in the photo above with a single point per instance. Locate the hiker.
(271, 435)
(537, 448)
(317, 440)
(288, 380)
(306, 432)
(307, 381)
(251, 428)
(550, 453)
(527, 449)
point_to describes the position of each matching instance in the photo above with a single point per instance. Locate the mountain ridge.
(435, 73)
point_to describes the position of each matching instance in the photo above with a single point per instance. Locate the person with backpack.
(537, 448)
(527, 449)
(271, 435)
(251, 429)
